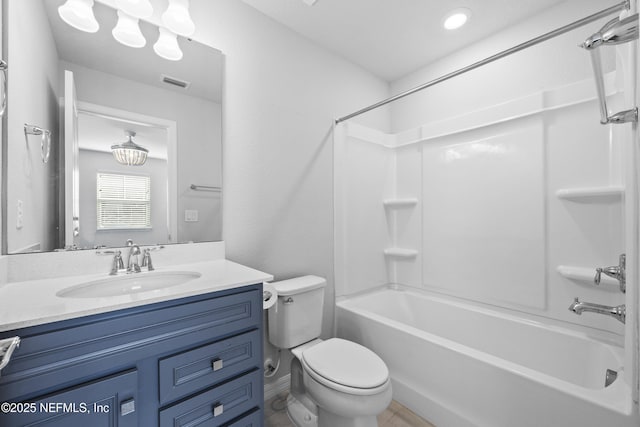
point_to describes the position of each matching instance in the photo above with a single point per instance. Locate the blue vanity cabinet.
(100, 403)
(193, 361)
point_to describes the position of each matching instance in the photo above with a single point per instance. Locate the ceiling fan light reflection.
(137, 8)
(167, 45)
(177, 19)
(79, 14)
(127, 31)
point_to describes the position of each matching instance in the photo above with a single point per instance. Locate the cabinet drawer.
(202, 367)
(106, 402)
(216, 406)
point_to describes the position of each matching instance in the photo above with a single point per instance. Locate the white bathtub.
(460, 365)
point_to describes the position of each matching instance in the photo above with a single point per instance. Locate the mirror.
(72, 95)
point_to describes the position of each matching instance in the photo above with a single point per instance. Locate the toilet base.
(299, 414)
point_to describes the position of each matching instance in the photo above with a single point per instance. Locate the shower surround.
(461, 243)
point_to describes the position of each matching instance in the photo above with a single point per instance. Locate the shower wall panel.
(365, 176)
(472, 207)
(483, 229)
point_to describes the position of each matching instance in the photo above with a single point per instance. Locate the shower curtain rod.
(605, 12)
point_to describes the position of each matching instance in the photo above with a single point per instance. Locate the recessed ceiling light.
(456, 18)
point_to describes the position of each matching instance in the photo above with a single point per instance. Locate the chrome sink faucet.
(132, 259)
(619, 312)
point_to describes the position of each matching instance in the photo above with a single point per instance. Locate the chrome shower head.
(616, 31)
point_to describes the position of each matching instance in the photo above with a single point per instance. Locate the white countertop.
(34, 302)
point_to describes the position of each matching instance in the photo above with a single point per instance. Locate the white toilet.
(334, 383)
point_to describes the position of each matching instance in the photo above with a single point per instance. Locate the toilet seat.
(346, 366)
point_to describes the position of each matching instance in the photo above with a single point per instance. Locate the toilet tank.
(297, 316)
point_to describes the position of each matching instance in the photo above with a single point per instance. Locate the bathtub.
(456, 364)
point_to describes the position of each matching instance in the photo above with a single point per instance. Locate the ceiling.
(392, 38)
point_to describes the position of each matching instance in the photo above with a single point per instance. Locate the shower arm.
(616, 31)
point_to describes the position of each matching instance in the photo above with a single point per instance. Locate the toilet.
(334, 382)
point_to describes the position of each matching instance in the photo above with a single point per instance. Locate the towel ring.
(45, 141)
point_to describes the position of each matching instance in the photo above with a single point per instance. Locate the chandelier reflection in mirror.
(129, 153)
(176, 20)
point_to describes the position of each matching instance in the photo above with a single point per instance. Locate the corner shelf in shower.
(583, 274)
(591, 194)
(401, 253)
(400, 203)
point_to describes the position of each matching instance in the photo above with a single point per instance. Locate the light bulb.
(135, 8)
(79, 14)
(127, 31)
(167, 45)
(177, 19)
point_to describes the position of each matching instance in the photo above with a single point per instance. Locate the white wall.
(199, 139)
(282, 93)
(34, 100)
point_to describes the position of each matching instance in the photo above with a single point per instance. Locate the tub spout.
(619, 312)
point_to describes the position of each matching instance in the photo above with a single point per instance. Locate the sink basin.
(130, 284)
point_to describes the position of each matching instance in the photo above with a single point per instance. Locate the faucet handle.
(598, 276)
(617, 272)
(146, 260)
(118, 264)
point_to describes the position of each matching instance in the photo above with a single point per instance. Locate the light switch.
(19, 214)
(191, 215)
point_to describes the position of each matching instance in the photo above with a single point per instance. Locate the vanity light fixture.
(136, 8)
(177, 19)
(79, 14)
(129, 153)
(456, 18)
(167, 45)
(127, 31)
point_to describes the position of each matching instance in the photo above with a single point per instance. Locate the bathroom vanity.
(188, 355)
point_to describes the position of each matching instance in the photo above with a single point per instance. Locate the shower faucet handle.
(616, 271)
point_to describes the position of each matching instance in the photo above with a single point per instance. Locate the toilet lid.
(346, 363)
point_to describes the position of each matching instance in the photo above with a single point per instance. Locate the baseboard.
(276, 387)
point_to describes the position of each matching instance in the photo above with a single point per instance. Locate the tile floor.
(395, 415)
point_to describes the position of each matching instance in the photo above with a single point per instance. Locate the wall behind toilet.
(281, 94)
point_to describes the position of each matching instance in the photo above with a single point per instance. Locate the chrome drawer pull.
(127, 407)
(217, 364)
(218, 409)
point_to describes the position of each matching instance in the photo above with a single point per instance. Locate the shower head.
(616, 31)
